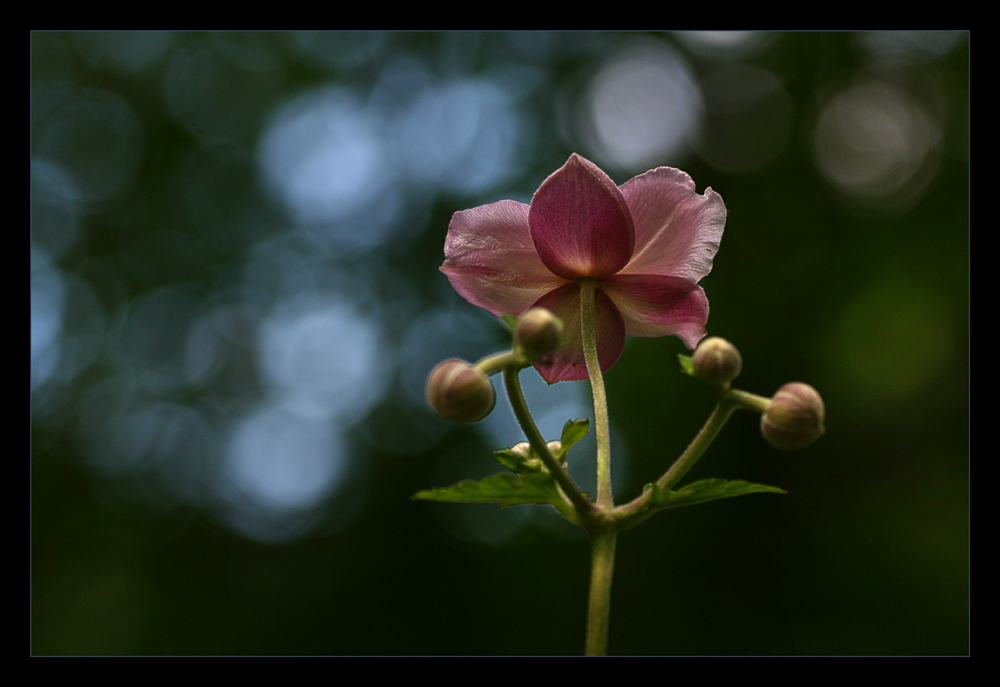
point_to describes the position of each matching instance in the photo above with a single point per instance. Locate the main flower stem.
(599, 605)
(587, 293)
(603, 532)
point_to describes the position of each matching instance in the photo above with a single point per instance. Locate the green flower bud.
(460, 393)
(794, 418)
(716, 361)
(538, 332)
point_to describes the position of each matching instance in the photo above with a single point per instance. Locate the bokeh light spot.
(47, 292)
(641, 107)
(98, 141)
(55, 211)
(464, 135)
(875, 143)
(278, 468)
(724, 45)
(324, 358)
(322, 156)
(283, 461)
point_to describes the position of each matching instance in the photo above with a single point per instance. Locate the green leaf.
(687, 364)
(572, 432)
(505, 489)
(517, 462)
(704, 491)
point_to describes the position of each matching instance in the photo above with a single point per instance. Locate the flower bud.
(794, 418)
(556, 449)
(522, 449)
(460, 393)
(538, 332)
(716, 361)
(529, 460)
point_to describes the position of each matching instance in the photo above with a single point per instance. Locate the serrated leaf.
(505, 489)
(687, 364)
(573, 431)
(704, 491)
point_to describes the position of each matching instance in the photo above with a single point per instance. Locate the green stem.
(635, 512)
(603, 532)
(512, 380)
(501, 361)
(589, 329)
(729, 400)
(723, 409)
(602, 567)
(748, 401)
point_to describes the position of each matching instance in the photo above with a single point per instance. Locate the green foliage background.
(863, 294)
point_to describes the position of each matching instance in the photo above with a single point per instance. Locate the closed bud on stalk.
(538, 332)
(716, 361)
(460, 393)
(794, 418)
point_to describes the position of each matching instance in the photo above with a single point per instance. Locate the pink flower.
(647, 244)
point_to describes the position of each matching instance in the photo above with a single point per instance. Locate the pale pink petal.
(677, 231)
(568, 362)
(580, 223)
(491, 261)
(654, 305)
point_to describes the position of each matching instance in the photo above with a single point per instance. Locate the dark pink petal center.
(568, 362)
(580, 223)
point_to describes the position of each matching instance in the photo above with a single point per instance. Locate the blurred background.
(235, 300)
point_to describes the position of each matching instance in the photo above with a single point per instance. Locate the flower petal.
(568, 362)
(677, 231)
(654, 305)
(580, 223)
(491, 261)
